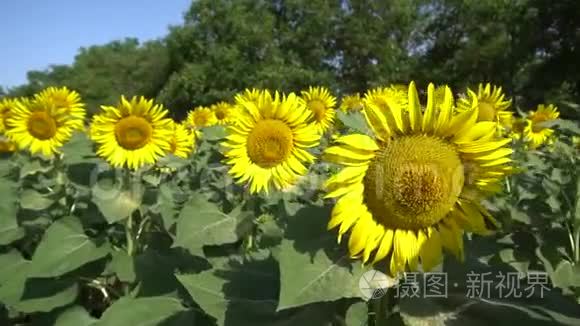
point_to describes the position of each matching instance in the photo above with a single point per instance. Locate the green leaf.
(326, 271)
(13, 272)
(115, 202)
(64, 248)
(357, 314)
(140, 311)
(123, 266)
(79, 149)
(43, 295)
(243, 292)
(321, 278)
(354, 121)
(9, 229)
(33, 200)
(577, 210)
(566, 275)
(75, 316)
(202, 223)
(31, 167)
(214, 133)
(236, 292)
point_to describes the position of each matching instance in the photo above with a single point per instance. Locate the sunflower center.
(133, 132)
(486, 111)
(270, 143)
(201, 119)
(538, 122)
(220, 114)
(41, 125)
(319, 109)
(413, 182)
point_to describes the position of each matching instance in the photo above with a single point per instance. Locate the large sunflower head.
(492, 104)
(182, 142)
(134, 133)
(201, 117)
(537, 132)
(321, 103)
(268, 146)
(69, 102)
(351, 103)
(224, 112)
(39, 125)
(414, 187)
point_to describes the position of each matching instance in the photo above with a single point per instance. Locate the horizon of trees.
(529, 47)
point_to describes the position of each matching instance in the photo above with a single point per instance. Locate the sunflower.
(351, 102)
(321, 103)
(182, 141)
(39, 125)
(201, 117)
(133, 133)
(492, 104)
(384, 97)
(536, 132)
(224, 113)
(268, 145)
(70, 102)
(6, 106)
(416, 186)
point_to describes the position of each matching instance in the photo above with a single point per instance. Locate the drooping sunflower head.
(268, 146)
(224, 112)
(39, 126)
(351, 102)
(134, 133)
(321, 103)
(6, 106)
(537, 131)
(182, 142)
(414, 187)
(69, 102)
(492, 104)
(201, 117)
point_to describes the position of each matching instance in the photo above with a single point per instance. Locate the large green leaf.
(140, 311)
(43, 295)
(326, 272)
(33, 200)
(79, 149)
(9, 229)
(202, 223)
(64, 248)
(242, 292)
(115, 200)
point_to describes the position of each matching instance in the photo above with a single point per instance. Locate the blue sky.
(37, 33)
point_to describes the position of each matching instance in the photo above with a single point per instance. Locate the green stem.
(129, 235)
(577, 245)
(381, 306)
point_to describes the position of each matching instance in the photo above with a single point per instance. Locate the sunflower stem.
(129, 236)
(381, 309)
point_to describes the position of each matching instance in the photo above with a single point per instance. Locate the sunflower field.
(404, 205)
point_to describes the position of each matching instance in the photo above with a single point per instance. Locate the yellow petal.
(415, 118)
(359, 141)
(429, 116)
(431, 249)
(384, 246)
